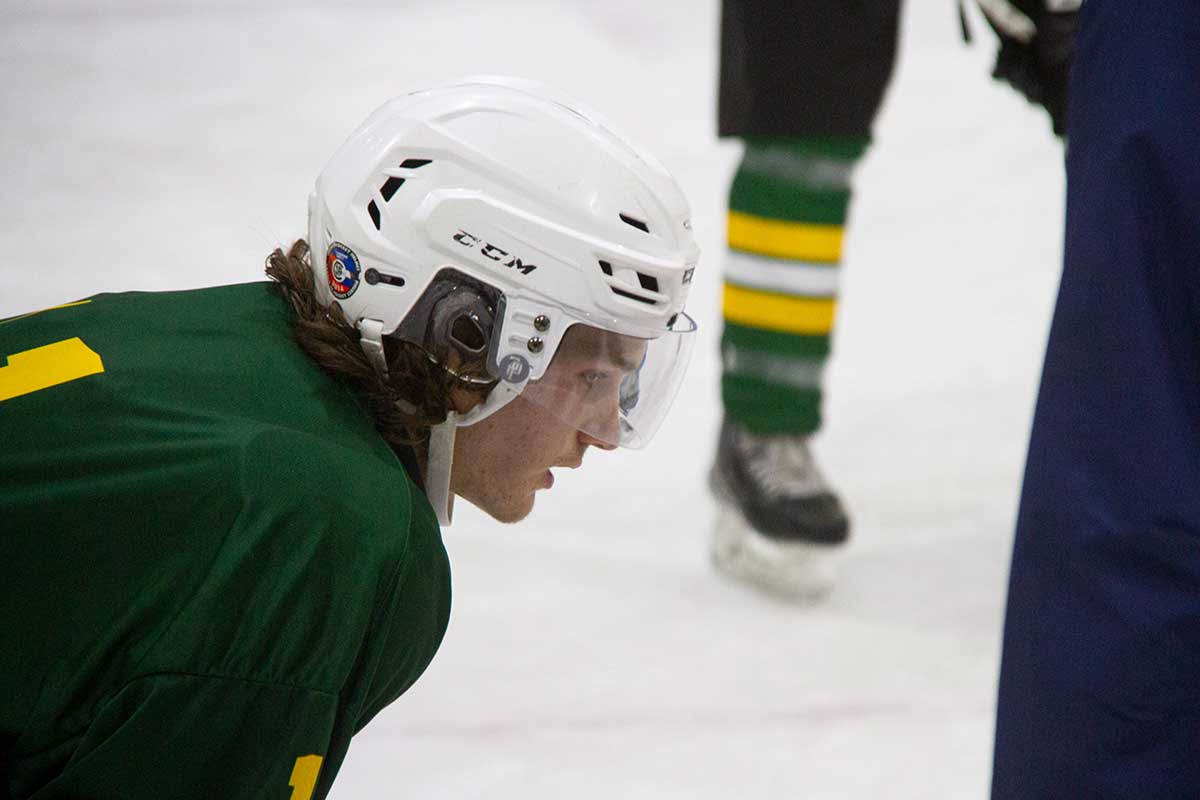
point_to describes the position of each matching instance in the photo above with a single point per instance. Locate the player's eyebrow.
(616, 357)
(626, 364)
(613, 348)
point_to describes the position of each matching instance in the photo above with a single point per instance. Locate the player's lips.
(548, 478)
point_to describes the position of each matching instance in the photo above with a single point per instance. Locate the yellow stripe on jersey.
(778, 312)
(304, 777)
(49, 365)
(51, 308)
(796, 240)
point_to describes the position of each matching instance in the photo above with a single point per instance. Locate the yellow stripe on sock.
(778, 312)
(773, 237)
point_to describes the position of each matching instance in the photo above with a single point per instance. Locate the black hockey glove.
(1037, 42)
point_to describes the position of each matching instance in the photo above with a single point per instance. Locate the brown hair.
(425, 390)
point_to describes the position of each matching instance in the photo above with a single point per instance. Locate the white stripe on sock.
(804, 169)
(798, 373)
(798, 278)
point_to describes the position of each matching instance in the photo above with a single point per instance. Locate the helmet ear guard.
(455, 323)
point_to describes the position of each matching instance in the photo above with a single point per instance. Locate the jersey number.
(46, 366)
(304, 777)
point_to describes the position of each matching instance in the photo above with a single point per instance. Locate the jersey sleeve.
(183, 736)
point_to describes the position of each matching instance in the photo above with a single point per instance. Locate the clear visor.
(614, 388)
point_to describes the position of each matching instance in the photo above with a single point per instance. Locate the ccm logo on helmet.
(494, 253)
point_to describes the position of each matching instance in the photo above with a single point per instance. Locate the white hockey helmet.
(505, 182)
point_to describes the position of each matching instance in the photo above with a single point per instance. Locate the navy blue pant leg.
(1100, 677)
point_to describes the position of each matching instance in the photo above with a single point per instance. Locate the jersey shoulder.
(311, 573)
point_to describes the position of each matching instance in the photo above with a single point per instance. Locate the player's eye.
(594, 379)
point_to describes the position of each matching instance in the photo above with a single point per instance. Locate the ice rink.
(592, 651)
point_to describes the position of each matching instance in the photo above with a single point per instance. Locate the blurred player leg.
(800, 84)
(1099, 694)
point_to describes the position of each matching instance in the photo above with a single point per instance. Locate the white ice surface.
(592, 652)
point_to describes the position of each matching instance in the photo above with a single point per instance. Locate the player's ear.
(463, 400)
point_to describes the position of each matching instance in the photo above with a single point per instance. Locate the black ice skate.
(779, 523)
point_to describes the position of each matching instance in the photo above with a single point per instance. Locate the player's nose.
(592, 441)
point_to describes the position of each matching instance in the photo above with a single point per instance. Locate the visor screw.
(541, 322)
(371, 276)
(535, 344)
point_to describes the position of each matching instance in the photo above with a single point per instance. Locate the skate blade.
(796, 572)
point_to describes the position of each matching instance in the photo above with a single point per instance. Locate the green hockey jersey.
(214, 569)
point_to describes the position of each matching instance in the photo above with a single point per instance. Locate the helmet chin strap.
(371, 340)
(440, 458)
(438, 464)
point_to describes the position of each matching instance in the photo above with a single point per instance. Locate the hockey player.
(219, 508)
(1099, 695)
(800, 84)
(778, 517)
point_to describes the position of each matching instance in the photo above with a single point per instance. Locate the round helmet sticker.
(342, 270)
(514, 368)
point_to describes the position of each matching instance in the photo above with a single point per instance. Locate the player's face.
(501, 462)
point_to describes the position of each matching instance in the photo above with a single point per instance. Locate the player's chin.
(512, 508)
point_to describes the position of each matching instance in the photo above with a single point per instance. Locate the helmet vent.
(647, 300)
(623, 286)
(389, 188)
(637, 223)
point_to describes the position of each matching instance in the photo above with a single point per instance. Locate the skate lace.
(782, 465)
